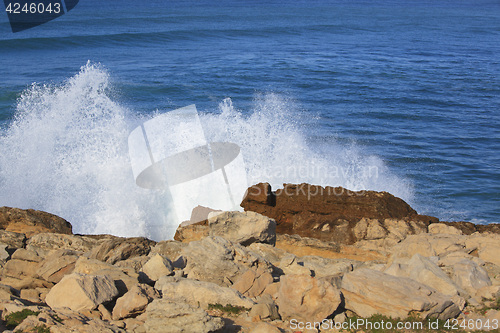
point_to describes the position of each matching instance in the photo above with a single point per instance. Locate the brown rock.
(329, 213)
(58, 264)
(134, 301)
(31, 222)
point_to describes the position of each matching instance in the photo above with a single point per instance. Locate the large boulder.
(165, 316)
(307, 298)
(368, 292)
(156, 267)
(54, 267)
(331, 214)
(244, 228)
(81, 292)
(470, 276)
(31, 222)
(200, 293)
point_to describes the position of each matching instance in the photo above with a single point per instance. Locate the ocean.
(397, 96)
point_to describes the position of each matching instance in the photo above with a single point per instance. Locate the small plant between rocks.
(228, 308)
(15, 318)
(41, 329)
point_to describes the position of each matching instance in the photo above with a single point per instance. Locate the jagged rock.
(123, 279)
(116, 249)
(157, 267)
(134, 301)
(244, 228)
(231, 260)
(423, 270)
(470, 276)
(192, 232)
(264, 309)
(135, 264)
(305, 297)
(80, 292)
(164, 316)
(13, 240)
(45, 243)
(7, 292)
(368, 292)
(322, 267)
(31, 222)
(56, 265)
(200, 293)
(331, 214)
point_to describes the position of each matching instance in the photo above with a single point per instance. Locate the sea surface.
(397, 96)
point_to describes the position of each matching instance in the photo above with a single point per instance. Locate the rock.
(423, 270)
(116, 249)
(429, 245)
(470, 276)
(134, 301)
(192, 232)
(331, 214)
(200, 293)
(7, 292)
(488, 292)
(368, 292)
(170, 249)
(244, 228)
(229, 260)
(31, 295)
(253, 282)
(157, 267)
(264, 327)
(290, 265)
(164, 316)
(124, 280)
(20, 269)
(80, 292)
(307, 298)
(13, 240)
(31, 222)
(265, 309)
(56, 265)
(45, 243)
(441, 228)
(322, 267)
(487, 247)
(135, 264)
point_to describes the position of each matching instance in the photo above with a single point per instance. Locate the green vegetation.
(15, 318)
(491, 304)
(228, 308)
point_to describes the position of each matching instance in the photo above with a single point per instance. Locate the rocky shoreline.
(301, 259)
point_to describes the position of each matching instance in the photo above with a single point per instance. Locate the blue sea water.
(401, 96)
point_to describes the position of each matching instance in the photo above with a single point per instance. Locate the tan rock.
(157, 266)
(253, 282)
(171, 249)
(13, 240)
(134, 301)
(423, 270)
(45, 243)
(79, 292)
(20, 269)
(486, 245)
(244, 228)
(441, 228)
(429, 245)
(31, 222)
(264, 327)
(6, 292)
(164, 316)
(291, 265)
(368, 292)
(56, 265)
(307, 298)
(201, 293)
(470, 276)
(31, 295)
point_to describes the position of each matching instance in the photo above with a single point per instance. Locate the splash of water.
(66, 153)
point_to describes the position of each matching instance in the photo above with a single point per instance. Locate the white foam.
(66, 153)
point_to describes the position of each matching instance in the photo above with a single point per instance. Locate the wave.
(66, 152)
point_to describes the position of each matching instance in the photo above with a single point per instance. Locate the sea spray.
(66, 153)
